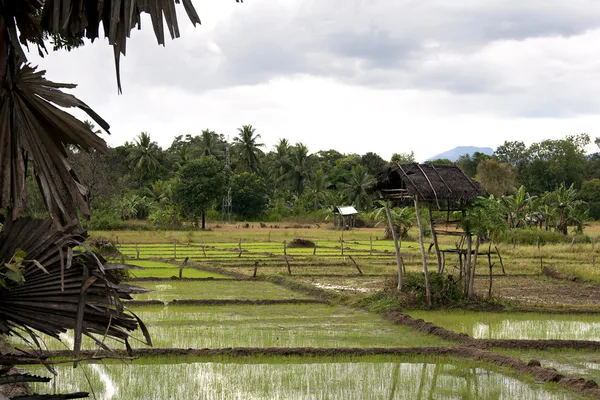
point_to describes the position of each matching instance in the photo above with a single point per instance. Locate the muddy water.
(481, 325)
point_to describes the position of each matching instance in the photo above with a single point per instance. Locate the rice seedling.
(580, 363)
(236, 290)
(528, 325)
(299, 377)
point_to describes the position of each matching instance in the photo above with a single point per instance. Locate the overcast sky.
(355, 75)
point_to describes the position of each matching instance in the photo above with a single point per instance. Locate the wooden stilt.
(399, 262)
(435, 240)
(423, 255)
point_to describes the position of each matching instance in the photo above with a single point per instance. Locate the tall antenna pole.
(226, 207)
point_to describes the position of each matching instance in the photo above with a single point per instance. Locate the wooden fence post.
(255, 269)
(183, 266)
(240, 248)
(342, 245)
(285, 257)
(315, 248)
(356, 265)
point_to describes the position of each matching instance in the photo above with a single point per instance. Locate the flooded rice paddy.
(301, 378)
(520, 325)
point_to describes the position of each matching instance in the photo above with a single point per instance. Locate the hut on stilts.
(444, 188)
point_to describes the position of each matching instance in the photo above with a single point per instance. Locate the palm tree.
(299, 167)
(247, 148)
(160, 192)
(355, 189)
(144, 157)
(209, 143)
(566, 204)
(318, 189)
(281, 160)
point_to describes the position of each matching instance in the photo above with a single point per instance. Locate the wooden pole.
(423, 255)
(255, 269)
(269, 236)
(467, 273)
(137, 251)
(356, 265)
(342, 244)
(435, 239)
(240, 248)
(396, 246)
(315, 248)
(472, 269)
(183, 266)
(285, 257)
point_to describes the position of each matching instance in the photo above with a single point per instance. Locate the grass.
(168, 291)
(482, 325)
(299, 377)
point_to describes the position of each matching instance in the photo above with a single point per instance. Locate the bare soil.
(542, 292)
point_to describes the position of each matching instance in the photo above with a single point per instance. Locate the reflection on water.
(314, 380)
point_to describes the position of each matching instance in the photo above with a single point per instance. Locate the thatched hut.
(444, 187)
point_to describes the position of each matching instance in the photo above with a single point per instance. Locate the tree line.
(187, 181)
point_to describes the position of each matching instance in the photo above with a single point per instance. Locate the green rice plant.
(281, 325)
(579, 363)
(299, 377)
(202, 290)
(509, 325)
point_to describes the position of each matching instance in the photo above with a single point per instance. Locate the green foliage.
(530, 236)
(247, 149)
(444, 289)
(496, 178)
(249, 195)
(201, 183)
(403, 158)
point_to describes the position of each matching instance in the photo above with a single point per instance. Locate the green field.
(529, 325)
(203, 290)
(302, 378)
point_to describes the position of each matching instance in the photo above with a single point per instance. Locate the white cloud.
(376, 75)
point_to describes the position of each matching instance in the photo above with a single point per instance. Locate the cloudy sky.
(355, 75)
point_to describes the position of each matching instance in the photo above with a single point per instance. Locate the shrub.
(530, 237)
(444, 289)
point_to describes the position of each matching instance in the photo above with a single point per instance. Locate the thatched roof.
(429, 183)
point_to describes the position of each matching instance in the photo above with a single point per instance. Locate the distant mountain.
(456, 152)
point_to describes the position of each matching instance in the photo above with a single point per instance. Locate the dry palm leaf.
(33, 128)
(63, 288)
(82, 18)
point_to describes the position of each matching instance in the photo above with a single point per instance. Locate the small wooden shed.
(344, 217)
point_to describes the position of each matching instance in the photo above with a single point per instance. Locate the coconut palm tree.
(318, 189)
(355, 189)
(144, 157)
(209, 143)
(247, 148)
(299, 167)
(281, 160)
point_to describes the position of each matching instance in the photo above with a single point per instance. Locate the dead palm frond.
(63, 289)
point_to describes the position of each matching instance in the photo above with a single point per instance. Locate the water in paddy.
(481, 325)
(312, 379)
